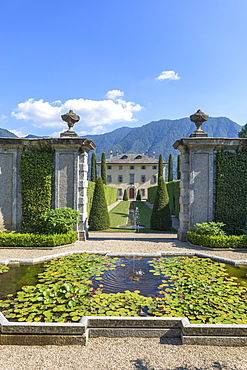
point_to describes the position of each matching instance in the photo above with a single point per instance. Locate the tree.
(178, 167)
(170, 169)
(161, 215)
(138, 196)
(125, 196)
(93, 168)
(160, 168)
(103, 168)
(243, 132)
(99, 217)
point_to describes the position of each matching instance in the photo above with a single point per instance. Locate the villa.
(132, 172)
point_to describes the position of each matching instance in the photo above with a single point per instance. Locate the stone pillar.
(70, 178)
(197, 185)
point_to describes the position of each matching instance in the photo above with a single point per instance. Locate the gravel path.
(123, 353)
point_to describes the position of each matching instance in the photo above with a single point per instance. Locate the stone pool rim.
(37, 333)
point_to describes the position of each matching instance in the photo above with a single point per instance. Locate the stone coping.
(37, 333)
(32, 261)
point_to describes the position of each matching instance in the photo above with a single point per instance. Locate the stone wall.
(70, 178)
(198, 172)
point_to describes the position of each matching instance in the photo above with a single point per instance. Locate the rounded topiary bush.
(161, 215)
(58, 221)
(99, 217)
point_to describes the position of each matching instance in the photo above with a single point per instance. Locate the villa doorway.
(131, 193)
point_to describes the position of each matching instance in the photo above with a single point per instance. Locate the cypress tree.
(93, 168)
(125, 196)
(103, 168)
(160, 168)
(243, 132)
(170, 169)
(99, 216)
(161, 215)
(178, 167)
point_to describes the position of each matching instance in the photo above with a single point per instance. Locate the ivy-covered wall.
(36, 170)
(173, 192)
(231, 190)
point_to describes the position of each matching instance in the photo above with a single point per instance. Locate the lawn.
(118, 216)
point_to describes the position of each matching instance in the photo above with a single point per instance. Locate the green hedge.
(173, 192)
(36, 170)
(36, 240)
(110, 194)
(216, 241)
(231, 191)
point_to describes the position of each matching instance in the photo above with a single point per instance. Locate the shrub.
(13, 239)
(210, 228)
(218, 241)
(99, 217)
(125, 196)
(58, 221)
(161, 216)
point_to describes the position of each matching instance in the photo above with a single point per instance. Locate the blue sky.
(120, 63)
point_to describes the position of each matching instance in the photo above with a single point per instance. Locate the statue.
(71, 118)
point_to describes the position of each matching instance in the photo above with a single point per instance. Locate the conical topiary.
(125, 196)
(99, 217)
(161, 215)
(138, 197)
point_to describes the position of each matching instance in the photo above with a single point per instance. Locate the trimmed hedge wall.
(173, 192)
(217, 241)
(231, 191)
(36, 240)
(110, 194)
(36, 169)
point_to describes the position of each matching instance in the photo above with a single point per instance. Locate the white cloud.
(168, 75)
(92, 112)
(3, 116)
(113, 94)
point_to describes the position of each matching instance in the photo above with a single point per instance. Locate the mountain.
(158, 136)
(6, 133)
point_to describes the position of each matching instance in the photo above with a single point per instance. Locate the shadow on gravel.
(140, 364)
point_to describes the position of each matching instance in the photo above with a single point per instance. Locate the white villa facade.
(132, 172)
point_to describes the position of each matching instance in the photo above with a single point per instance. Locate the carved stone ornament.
(198, 118)
(71, 118)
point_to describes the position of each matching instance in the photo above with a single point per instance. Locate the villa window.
(132, 179)
(120, 167)
(154, 179)
(120, 178)
(143, 192)
(120, 192)
(154, 167)
(132, 167)
(109, 178)
(143, 178)
(109, 167)
(143, 167)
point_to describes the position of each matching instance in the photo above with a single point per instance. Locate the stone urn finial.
(71, 118)
(198, 118)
